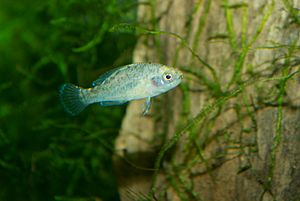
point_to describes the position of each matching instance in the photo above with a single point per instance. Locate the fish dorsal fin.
(104, 76)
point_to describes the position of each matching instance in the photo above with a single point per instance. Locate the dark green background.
(45, 154)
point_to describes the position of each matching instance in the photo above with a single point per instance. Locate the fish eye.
(168, 76)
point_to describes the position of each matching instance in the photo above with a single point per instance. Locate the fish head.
(166, 79)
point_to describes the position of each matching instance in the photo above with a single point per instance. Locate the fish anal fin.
(110, 103)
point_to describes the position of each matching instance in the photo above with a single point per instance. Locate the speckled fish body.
(118, 86)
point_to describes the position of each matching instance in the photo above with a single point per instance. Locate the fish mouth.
(180, 75)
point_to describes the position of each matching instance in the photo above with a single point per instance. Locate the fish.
(121, 85)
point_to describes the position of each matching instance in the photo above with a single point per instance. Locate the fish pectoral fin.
(110, 103)
(147, 106)
(157, 81)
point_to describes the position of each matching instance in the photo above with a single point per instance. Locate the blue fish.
(120, 85)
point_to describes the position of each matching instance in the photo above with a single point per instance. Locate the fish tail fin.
(72, 99)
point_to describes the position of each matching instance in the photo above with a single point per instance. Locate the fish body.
(120, 85)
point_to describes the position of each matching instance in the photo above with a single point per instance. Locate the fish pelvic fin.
(147, 106)
(72, 99)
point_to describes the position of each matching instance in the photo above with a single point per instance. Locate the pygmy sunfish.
(120, 85)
